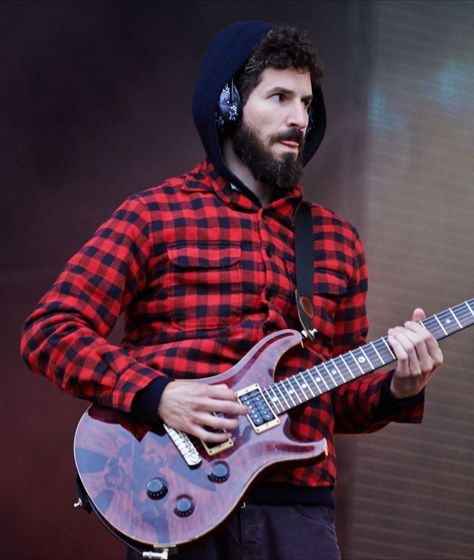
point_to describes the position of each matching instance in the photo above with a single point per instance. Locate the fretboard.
(315, 381)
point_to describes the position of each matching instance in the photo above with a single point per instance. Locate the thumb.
(419, 314)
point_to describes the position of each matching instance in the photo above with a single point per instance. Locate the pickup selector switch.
(220, 472)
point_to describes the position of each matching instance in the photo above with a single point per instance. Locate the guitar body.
(116, 458)
(154, 489)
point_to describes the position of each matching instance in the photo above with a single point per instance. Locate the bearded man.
(203, 268)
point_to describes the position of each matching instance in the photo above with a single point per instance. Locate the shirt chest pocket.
(329, 288)
(204, 285)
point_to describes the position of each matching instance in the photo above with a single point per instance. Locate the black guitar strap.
(304, 257)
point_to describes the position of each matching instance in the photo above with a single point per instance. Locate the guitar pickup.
(213, 448)
(260, 415)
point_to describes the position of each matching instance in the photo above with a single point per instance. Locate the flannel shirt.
(202, 272)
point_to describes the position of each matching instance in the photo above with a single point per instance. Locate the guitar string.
(464, 316)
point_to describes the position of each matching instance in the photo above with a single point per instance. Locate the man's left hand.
(418, 356)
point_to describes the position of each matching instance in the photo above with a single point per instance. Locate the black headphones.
(229, 108)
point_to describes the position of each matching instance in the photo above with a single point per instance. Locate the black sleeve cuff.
(389, 405)
(145, 403)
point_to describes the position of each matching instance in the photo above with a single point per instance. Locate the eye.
(278, 96)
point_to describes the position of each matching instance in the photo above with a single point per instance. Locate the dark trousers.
(267, 532)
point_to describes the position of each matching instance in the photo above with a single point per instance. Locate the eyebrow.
(280, 89)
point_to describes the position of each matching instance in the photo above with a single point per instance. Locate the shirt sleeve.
(65, 338)
(365, 404)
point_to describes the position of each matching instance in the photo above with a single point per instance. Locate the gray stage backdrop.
(95, 105)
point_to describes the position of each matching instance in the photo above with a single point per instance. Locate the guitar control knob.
(220, 472)
(156, 488)
(184, 506)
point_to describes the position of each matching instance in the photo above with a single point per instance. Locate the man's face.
(270, 138)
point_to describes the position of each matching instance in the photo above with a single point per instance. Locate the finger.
(419, 314)
(233, 408)
(426, 342)
(230, 408)
(418, 344)
(216, 422)
(221, 391)
(210, 428)
(402, 343)
(430, 344)
(404, 340)
(209, 436)
(435, 352)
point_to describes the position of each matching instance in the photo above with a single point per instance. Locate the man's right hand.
(189, 406)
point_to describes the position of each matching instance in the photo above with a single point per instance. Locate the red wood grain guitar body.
(144, 490)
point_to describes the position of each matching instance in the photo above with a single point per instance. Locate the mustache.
(293, 134)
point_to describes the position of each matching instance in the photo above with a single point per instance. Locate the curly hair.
(282, 47)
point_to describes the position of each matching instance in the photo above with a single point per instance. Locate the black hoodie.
(228, 52)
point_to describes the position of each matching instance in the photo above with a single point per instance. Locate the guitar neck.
(312, 382)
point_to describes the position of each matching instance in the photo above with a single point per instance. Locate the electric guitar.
(156, 488)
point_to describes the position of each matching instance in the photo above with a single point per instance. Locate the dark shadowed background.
(95, 105)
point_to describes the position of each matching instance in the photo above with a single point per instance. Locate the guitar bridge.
(215, 448)
(184, 445)
(261, 415)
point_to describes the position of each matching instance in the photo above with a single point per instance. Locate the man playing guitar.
(203, 268)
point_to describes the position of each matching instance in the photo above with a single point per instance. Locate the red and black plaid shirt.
(202, 273)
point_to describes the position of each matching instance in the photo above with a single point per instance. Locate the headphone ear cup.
(229, 106)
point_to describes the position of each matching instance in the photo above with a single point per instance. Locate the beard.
(282, 173)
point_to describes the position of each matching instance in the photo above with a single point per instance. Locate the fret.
(392, 355)
(276, 401)
(355, 360)
(272, 401)
(361, 359)
(469, 307)
(433, 325)
(285, 403)
(455, 318)
(347, 366)
(295, 388)
(304, 385)
(464, 314)
(441, 325)
(335, 371)
(315, 385)
(446, 320)
(366, 356)
(274, 398)
(324, 381)
(372, 350)
(331, 377)
(290, 391)
(318, 380)
(341, 366)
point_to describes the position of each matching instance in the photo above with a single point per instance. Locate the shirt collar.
(207, 179)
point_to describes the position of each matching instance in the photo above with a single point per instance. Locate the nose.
(298, 115)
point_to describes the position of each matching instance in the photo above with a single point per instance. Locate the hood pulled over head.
(227, 53)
